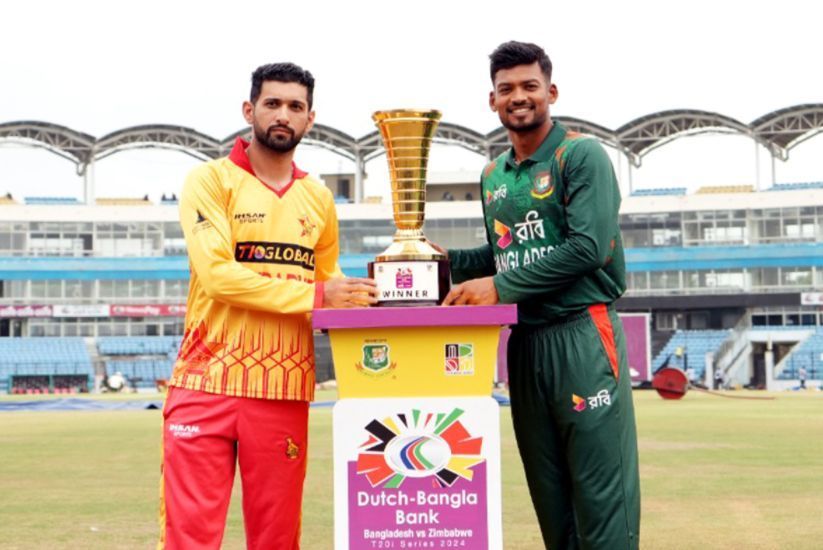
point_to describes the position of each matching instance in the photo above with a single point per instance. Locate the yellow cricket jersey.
(255, 255)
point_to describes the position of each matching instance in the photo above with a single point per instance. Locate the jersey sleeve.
(471, 263)
(206, 227)
(592, 204)
(327, 251)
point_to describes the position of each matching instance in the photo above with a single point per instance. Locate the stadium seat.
(693, 345)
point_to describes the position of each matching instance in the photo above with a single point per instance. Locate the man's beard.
(524, 128)
(277, 142)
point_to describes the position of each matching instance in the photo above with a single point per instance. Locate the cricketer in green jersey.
(551, 212)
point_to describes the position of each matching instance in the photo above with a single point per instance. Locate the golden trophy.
(410, 271)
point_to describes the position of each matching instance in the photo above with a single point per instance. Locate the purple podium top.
(437, 316)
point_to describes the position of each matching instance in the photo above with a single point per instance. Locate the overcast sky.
(100, 67)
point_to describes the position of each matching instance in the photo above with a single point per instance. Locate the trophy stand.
(410, 272)
(416, 432)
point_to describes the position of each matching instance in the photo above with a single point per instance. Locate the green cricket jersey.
(552, 224)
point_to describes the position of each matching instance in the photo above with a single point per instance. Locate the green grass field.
(716, 473)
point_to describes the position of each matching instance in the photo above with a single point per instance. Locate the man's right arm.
(471, 263)
(206, 227)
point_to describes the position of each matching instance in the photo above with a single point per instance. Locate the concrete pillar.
(359, 177)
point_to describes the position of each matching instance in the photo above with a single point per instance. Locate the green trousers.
(574, 422)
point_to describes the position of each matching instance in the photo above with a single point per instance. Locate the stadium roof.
(779, 131)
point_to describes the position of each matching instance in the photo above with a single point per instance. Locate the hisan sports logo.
(418, 445)
(184, 430)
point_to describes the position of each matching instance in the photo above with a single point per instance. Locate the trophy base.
(410, 283)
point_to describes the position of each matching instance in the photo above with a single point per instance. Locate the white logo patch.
(183, 430)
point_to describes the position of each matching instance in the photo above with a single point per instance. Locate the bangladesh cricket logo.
(419, 445)
(376, 357)
(542, 186)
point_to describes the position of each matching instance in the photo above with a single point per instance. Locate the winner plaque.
(410, 272)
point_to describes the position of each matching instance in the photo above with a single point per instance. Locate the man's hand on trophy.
(343, 292)
(477, 292)
(438, 248)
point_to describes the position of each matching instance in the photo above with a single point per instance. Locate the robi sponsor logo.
(502, 230)
(497, 194)
(600, 399)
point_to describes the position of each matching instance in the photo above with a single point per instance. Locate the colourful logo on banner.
(579, 403)
(418, 445)
(459, 359)
(404, 278)
(504, 233)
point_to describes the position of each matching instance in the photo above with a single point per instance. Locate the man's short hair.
(511, 54)
(281, 72)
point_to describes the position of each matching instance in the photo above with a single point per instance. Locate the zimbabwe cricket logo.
(306, 226)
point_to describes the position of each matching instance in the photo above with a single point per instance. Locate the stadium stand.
(693, 262)
(806, 354)
(688, 348)
(797, 186)
(123, 202)
(51, 200)
(143, 361)
(43, 365)
(659, 192)
(725, 189)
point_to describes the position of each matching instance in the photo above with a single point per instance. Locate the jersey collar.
(239, 157)
(544, 152)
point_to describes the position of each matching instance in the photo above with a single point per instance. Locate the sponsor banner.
(25, 311)
(407, 281)
(88, 310)
(811, 298)
(636, 327)
(148, 310)
(417, 473)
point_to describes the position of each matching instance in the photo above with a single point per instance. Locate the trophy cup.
(410, 272)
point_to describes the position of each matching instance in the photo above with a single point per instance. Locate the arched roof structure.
(65, 142)
(642, 135)
(787, 128)
(779, 131)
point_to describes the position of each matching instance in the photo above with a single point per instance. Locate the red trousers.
(204, 436)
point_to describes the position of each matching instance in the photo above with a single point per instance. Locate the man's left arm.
(327, 249)
(593, 201)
